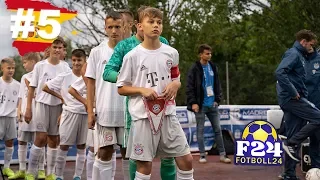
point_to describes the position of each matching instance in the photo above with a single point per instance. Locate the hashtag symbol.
(23, 23)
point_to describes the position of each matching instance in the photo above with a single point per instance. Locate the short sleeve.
(91, 66)
(125, 75)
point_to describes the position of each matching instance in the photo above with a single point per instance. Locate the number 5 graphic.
(43, 21)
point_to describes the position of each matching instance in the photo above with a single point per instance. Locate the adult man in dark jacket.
(293, 94)
(203, 97)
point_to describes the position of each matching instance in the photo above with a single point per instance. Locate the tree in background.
(251, 35)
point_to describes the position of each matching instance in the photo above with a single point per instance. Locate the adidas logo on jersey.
(104, 62)
(45, 74)
(143, 68)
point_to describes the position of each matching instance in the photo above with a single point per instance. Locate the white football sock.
(51, 160)
(105, 168)
(7, 156)
(125, 169)
(90, 161)
(42, 159)
(140, 176)
(22, 156)
(96, 170)
(184, 175)
(114, 164)
(61, 163)
(81, 158)
(34, 156)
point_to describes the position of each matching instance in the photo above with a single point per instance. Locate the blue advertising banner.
(232, 117)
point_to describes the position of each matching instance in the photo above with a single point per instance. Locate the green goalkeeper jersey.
(113, 66)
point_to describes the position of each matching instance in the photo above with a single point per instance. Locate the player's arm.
(77, 96)
(171, 90)
(53, 93)
(124, 83)
(113, 66)
(54, 86)
(90, 76)
(286, 65)
(32, 84)
(19, 112)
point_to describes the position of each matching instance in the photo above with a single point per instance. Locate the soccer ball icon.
(259, 131)
(313, 174)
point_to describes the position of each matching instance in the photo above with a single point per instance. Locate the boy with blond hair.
(151, 77)
(9, 94)
(26, 132)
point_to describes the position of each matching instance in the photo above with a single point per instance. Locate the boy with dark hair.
(9, 94)
(26, 132)
(151, 77)
(203, 98)
(48, 109)
(109, 104)
(73, 121)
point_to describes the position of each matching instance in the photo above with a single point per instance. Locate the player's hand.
(91, 120)
(28, 116)
(58, 121)
(297, 97)
(19, 115)
(170, 91)
(215, 104)
(149, 93)
(195, 108)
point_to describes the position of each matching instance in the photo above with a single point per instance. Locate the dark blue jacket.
(312, 68)
(291, 74)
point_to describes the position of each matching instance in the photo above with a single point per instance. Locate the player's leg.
(173, 143)
(168, 168)
(292, 125)
(128, 144)
(82, 131)
(125, 161)
(106, 140)
(143, 147)
(35, 154)
(61, 161)
(89, 163)
(23, 139)
(307, 111)
(114, 162)
(41, 120)
(90, 155)
(214, 117)
(53, 132)
(200, 119)
(42, 161)
(10, 133)
(314, 150)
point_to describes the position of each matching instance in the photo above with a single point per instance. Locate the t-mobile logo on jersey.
(153, 78)
(2, 98)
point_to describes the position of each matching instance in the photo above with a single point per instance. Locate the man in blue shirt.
(203, 97)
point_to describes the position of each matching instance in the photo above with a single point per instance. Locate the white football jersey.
(109, 104)
(80, 86)
(62, 83)
(9, 95)
(43, 72)
(23, 94)
(149, 69)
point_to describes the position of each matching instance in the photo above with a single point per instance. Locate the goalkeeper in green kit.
(111, 71)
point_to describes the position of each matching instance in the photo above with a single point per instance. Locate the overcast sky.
(6, 48)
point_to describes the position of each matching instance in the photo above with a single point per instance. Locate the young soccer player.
(26, 132)
(48, 109)
(109, 105)
(79, 91)
(111, 71)
(150, 76)
(73, 122)
(9, 93)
